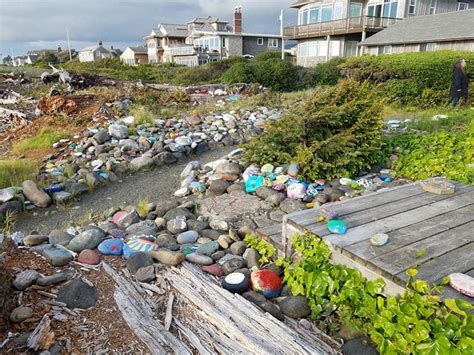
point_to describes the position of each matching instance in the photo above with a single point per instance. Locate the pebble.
(168, 257)
(57, 236)
(54, 278)
(379, 239)
(20, 314)
(25, 279)
(177, 225)
(225, 241)
(88, 257)
(252, 257)
(187, 237)
(199, 259)
(35, 239)
(238, 248)
(233, 264)
(145, 274)
(208, 248)
(89, 239)
(295, 307)
(214, 269)
(111, 247)
(36, 195)
(57, 256)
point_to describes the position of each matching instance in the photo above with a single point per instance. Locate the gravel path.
(154, 185)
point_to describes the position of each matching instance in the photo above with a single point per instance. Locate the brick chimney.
(237, 23)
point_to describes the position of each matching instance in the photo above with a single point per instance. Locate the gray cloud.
(29, 23)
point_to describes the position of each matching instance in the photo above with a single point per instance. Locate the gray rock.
(177, 225)
(290, 206)
(54, 278)
(118, 131)
(7, 194)
(88, 239)
(359, 346)
(146, 227)
(140, 163)
(77, 294)
(137, 261)
(218, 255)
(61, 196)
(145, 274)
(179, 212)
(218, 187)
(210, 233)
(295, 307)
(275, 199)
(20, 314)
(188, 237)
(10, 206)
(199, 259)
(165, 240)
(233, 264)
(208, 248)
(197, 225)
(252, 257)
(37, 196)
(273, 310)
(165, 158)
(101, 137)
(163, 207)
(229, 170)
(25, 279)
(76, 188)
(34, 239)
(57, 256)
(57, 236)
(238, 248)
(264, 192)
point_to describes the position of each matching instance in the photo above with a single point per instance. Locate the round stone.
(236, 283)
(188, 237)
(379, 239)
(89, 257)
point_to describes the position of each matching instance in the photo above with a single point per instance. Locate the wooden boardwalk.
(413, 219)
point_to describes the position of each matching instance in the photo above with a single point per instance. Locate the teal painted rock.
(208, 248)
(379, 239)
(337, 226)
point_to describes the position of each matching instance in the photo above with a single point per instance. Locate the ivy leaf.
(440, 346)
(457, 306)
(421, 252)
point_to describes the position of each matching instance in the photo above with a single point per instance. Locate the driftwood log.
(138, 312)
(219, 321)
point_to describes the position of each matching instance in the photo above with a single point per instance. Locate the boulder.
(88, 239)
(295, 307)
(37, 196)
(57, 256)
(140, 163)
(137, 261)
(77, 294)
(57, 236)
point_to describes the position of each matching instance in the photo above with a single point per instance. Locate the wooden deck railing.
(346, 25)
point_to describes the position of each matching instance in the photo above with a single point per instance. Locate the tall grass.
(142, 115)
(14, 172)
(45, 139)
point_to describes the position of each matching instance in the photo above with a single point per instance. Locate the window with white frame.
(428, 47)
(273, 42)
(259, 41)
(374, 9)
(315, 13)
(212, 43)
(387, 49)
(433, 4)
(412, 7)
(355, 9)
(462, 6)
(390, 8)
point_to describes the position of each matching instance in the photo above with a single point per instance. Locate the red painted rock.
(89, 257)
(215, 270)
(266, 282)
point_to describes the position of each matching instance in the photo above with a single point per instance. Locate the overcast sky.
(35, 24)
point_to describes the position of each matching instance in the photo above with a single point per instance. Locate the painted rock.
(236, 282)
(462, 283)
(214, 269)
(379, 239)
(138, 245)
(327, 213)
(253, 183)
(296, 191)
(293, 169)
(266, 282)
(312, 190)
(439, 186)
(89, 257)
(337, 226)
(111, 247)
(208, 248)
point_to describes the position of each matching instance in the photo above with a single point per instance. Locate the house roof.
(175, 30)
(139, 50)
(450, 26)
(300, 3)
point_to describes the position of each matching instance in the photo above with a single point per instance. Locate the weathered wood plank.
(138, 312)
(394, 208)
(402, 259)
(270, 230)
(458, 260)
(411, 234)
(449, 292)
(237, 319)
(386, 225)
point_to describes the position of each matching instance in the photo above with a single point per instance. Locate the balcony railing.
(343, 26)
(183, 50)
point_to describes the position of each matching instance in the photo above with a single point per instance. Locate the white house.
(135, 56)
(93, 53)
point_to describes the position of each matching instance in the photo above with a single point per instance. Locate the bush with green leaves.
(336, 132)
(417, 322)
(418, 78)
(327, 73)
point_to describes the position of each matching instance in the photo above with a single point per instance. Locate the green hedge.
(418, 78)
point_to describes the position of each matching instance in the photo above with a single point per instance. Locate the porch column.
(328, 50)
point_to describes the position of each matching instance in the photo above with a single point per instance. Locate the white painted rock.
(462, 283)
(379, 239)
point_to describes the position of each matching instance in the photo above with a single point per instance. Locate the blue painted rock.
(111, 247)
(379, 239)
(253, 183)
(188, 237)
(266, 282)
(312, 190)
(138, 245)
(187, 249)
(236, 282)
(337, 226)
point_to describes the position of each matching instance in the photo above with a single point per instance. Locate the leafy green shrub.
(141, 115)
(277, 74)
(328, 73)
(440, 154)
(418, 78)
(238, 73)
(263, 57)
(207, 73)
(45, 139)
(416, 322)
(336, 132)
(265, 249)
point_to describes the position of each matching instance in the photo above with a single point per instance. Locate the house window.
(412, 7)
(374, 10)
(326, 13)
(314, 15)
(433, 4)
(223, 42)
(462, 6)
(390, 8)
(260, 41)
(387, 49)
(338, 11)
(273, 42)
(351, 49)
(428, 47)
(355, 9)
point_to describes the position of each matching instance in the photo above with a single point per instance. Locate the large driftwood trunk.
(137, 311)
(215, 320)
